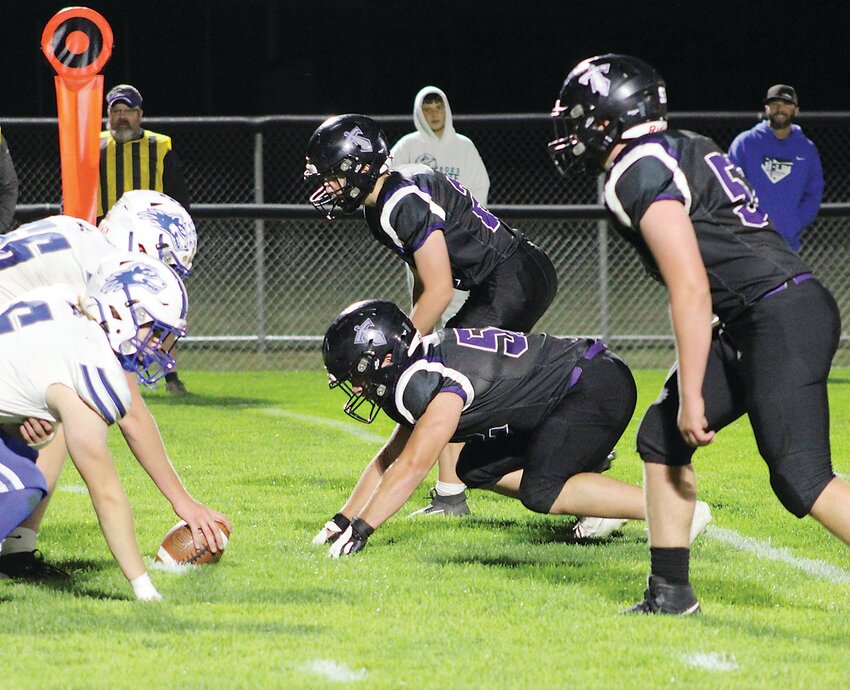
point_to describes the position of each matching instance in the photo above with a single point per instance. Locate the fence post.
(602, 240)
(260, 244)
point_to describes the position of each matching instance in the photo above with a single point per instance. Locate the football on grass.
(177, 547)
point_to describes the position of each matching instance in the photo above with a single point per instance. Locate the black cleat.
(661, 597)
(444, 505)
(29, 565)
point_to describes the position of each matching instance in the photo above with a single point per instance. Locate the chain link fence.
(269, 279)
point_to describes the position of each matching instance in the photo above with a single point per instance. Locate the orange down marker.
(77, 42)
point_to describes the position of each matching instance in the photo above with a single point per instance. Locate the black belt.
(589, 354)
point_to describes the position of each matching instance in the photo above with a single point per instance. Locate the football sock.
(671, 564)
(20, 539)
(16, 506)
(449, 489)
(171, 376)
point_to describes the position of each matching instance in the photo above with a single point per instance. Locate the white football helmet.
(155, 224)
(141, 304)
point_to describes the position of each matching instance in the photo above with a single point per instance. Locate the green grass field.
(497, 600)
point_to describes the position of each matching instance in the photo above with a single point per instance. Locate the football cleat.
(662, 597)
(176, 387)
(444, 505)
(702, 516)
(596, 527)
(29, 565)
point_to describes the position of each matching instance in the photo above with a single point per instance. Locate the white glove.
(332, 529)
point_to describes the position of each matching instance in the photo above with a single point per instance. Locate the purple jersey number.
(737, 188)
(488, 219)
(508, 343)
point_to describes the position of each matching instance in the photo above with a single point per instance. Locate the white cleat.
(702, 516)
(596, 527)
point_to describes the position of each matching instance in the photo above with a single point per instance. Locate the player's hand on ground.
(37, 432)
(332, 529)
(352, 540)
(202, 521)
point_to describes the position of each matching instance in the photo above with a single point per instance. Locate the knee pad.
(797, 484)
(659, 439)
(536, 499)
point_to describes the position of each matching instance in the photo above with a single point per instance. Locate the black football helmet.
(602, 102)
(355, 347)
(351, 147)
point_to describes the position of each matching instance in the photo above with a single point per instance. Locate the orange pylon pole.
(77, 42)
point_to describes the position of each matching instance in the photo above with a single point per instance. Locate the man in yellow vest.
(132, 157)
(8, 187)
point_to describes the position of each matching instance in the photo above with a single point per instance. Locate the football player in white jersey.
(71, 251)
(63, 357)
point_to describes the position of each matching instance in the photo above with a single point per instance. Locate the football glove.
(352, 540)
(332, 529)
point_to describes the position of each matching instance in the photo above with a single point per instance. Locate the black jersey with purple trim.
(416, 201)
(508, 381)
(743, 254)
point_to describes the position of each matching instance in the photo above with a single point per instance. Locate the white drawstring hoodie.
(454, 154)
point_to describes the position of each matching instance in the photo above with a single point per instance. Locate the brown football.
(177, 547)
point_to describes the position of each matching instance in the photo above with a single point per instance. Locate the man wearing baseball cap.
(782, 164)
(132, 157)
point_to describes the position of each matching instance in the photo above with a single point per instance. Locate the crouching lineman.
(61, 249)
(62, 358)
(539, 415)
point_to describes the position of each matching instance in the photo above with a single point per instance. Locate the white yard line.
(761, 549)
(712, 661)
(337, 425)
(334, 671)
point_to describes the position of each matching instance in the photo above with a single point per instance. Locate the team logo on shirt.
(368, 333)
(173, 224)
(595, 78)
(135, 274)
(427, 159)
(776, 169)
(356, 137)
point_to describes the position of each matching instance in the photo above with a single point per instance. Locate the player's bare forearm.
(436, 288)
(373, 473)
(86, 438)
(430, 435)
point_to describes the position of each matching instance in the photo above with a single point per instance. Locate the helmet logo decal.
(366, 333)
(137, 274)
(173, 224)
(595, 78)
(356, 136)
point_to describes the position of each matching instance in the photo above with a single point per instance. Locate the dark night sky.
(251, 57)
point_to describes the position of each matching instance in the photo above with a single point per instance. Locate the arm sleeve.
(477, 181)
(8, 188)
(173, 183)
(810, 202)
(400, 153)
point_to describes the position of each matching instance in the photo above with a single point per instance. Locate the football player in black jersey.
(693, 218)
(449, 240)
(539, 414)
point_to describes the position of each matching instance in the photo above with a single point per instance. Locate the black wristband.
(341, 521)
(363, 528)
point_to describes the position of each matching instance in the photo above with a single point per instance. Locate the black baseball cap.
(781, 92)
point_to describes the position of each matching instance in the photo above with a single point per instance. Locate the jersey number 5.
(737, 189)
(508, 343)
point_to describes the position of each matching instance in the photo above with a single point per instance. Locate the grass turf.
(497, 600)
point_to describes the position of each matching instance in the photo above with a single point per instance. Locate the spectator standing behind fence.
(8, 187)
(435, 143)
(132, 157)
(782, 164)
